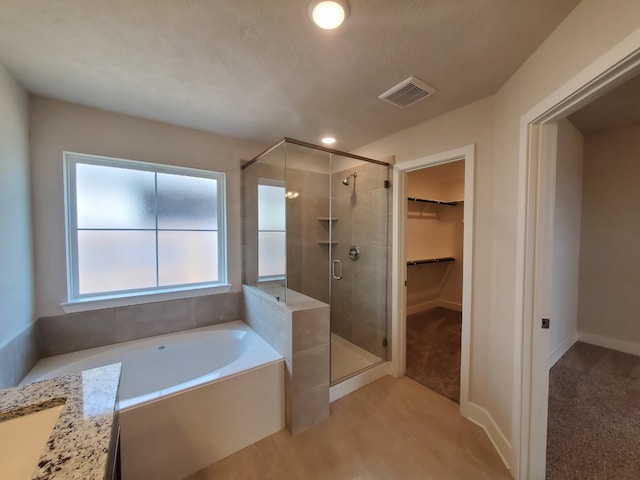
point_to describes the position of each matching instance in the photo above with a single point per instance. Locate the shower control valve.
(354, 253)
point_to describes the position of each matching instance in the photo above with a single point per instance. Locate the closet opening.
(434, 234)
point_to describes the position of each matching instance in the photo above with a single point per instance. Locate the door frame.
(536, 191)
(399, 261)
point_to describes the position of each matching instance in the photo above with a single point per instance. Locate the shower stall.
(316, 224)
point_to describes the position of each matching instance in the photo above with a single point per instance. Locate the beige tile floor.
(392, 429)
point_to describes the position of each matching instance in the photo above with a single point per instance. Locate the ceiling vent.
(407, 93)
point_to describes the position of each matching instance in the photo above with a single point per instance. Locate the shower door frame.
(314, 147)
(372, 371)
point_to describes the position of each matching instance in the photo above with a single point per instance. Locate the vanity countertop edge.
(78, 448)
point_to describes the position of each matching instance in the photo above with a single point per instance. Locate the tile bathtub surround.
(82, 442)
(299, 331)
(7, 366)
(17, 357)
(96, 328)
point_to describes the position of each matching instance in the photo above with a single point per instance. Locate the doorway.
(536, 246)
(594, 339)
(434, 233)
(402, 261)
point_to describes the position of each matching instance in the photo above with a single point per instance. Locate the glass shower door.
(264, 223)
(359, 249)
(308, 225)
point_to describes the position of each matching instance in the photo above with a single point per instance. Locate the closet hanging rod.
(437, 202)
(431, 260)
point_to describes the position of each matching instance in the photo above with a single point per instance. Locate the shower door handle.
(334, 270)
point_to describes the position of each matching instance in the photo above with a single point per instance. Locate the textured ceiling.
(259, 70)
(617, 109)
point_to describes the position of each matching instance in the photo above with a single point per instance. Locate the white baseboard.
(354, 383)
(483, 418)
(562, 349)
(612, 343)
(450, 305)
(423, 307)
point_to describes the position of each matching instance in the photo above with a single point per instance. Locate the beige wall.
(566, 237)
(442, 182)
(468, 125)
(16, 279)
(18, 350)
(610, 258)
(590, 30)
(58, 126)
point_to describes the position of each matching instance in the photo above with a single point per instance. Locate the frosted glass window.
(187, 202)
(271, 253)
(272, 257)
(116, 260)
(109, 197)
(187, 257)
(271, 208)
(137, 227)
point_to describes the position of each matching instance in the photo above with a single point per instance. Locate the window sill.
(97, 303)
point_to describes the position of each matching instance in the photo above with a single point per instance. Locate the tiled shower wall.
(307, 255)
(96, 328)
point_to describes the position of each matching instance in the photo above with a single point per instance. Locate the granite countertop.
(78, 447)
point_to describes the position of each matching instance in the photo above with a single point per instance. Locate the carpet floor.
(594, 415)
(433, 350)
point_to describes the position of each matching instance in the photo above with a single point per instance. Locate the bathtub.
(187, 399)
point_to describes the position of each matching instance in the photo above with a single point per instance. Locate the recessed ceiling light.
(328, 14)
(328, 140)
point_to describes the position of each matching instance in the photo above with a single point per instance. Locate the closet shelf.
(436, 202)
(431, 260)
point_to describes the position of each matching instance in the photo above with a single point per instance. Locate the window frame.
(71, 159)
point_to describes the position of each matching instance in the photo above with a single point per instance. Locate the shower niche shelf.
(327, 219)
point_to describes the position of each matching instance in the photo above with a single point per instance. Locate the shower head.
(346, 180)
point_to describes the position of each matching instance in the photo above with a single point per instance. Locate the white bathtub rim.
(59, 365)
(55, 362)
(268, 355)
(63, 357)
